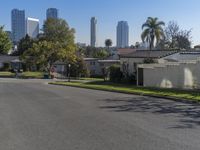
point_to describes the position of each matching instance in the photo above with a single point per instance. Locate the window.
(92, 63)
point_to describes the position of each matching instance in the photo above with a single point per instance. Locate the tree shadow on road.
(187, 112)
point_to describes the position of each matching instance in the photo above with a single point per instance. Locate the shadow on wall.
(166, 84)
(187, 82)
(187, 114)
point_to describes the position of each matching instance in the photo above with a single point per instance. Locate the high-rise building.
(32, 27)
(93, 28)
(17, 24)
(52, 13)
(122, 34)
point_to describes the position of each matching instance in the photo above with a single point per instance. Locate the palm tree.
(152, 31)
(108, 43)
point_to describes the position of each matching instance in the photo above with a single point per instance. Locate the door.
(140, 77)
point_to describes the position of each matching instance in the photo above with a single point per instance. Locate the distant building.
(52, 13)
(32, 27)
(13, 60)
(17, 24)
(122, 34)
(93, 28)
(97, 66)
(81, 44)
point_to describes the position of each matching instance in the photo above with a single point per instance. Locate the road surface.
(38, 116)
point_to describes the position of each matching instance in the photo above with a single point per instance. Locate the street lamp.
(69, 65)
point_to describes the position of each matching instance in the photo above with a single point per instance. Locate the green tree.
(79, 68)
(24, 44)
(90, 51)
(152, 31)
(102, 54)
(108, 43)
(137, 45)
(58, 30)
(57, 44)
(38, 54)
(5, 43)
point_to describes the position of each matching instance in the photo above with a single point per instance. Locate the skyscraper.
(122, 34)
(17, 24)
(93, 28)
(52, 13)
(32, 27)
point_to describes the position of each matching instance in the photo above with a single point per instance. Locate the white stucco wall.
(177, 75)
(131, 61)
(94, 67)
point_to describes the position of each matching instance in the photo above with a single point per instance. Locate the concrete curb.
(188, 101)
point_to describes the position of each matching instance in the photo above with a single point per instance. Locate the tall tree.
(58, 30)
(152, 31)
(5, 42)
(177, 38)
(24, 44)
(108, 43)
(57, 44)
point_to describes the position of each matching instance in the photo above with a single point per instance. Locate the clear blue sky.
(109, 12)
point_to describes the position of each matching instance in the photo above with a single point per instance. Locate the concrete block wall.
(179, 75)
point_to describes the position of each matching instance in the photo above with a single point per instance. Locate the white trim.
(33, 19)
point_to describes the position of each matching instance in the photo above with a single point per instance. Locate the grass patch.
(25, 75)
(92, 79)
(7, 74)
(35, 75)
(130, 89)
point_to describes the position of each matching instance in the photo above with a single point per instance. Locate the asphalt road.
(38, 116)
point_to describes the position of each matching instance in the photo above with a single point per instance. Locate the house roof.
(184, 56)
(5, 58)
(90, 59)
(151, 66)
(149, 54)
(123, 51)
(109, 61)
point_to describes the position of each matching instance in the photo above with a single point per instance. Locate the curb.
(183, 100)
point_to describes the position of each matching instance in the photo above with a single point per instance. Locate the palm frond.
(160, 23)
(145, 34)
(145, 25)
(152, 31)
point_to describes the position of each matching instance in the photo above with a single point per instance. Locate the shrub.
(115, 73)
(96, 76)
(79, 69)
(130, 79)
(149, 61)
(6, 67)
